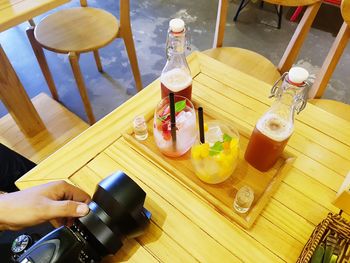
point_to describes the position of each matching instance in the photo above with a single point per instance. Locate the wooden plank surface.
(14, 12)
(185, 227)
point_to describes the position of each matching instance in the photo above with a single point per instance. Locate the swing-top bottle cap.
(298, 75)
(176, 25)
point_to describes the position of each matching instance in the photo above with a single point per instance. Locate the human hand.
(56, 200)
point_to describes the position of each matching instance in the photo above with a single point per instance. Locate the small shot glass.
(140, 128)
(243, 199)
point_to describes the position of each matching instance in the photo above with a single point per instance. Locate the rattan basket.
(333, 222)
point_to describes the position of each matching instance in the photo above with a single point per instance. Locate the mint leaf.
(180, 105)
(227, 138)
(162, 118)
(216, 149)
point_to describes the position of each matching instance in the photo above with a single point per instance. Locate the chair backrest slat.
(292, 51)
(125, 24)
(220, 23)
(324, 75)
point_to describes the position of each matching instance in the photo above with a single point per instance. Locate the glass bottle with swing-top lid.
(176, 75)
(275, 127)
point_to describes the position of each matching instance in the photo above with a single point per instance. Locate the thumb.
(68, 208)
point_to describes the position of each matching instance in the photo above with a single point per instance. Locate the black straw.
(172, 117)
(201, 125)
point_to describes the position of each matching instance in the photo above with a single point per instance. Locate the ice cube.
(188, 114)
(182, 117)
(213, 135)
(211, 167)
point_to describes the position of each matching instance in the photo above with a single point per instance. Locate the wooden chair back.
(334, 54)
(295, 44)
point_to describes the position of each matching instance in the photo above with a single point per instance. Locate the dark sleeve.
(12, 167)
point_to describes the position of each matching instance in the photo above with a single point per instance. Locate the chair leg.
(279, 13)
(40, 55)
(262, 4)
(98, 61)
(74, 62)
(242, 5)
(130, 48)
(31, 22)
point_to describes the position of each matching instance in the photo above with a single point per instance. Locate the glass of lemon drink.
(215, 160)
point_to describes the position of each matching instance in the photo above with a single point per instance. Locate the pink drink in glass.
(185, 127)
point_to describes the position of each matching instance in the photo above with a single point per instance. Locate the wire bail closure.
(300, 100)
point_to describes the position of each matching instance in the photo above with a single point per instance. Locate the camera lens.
(116, 212)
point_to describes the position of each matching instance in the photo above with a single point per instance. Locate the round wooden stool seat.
(246, 61)
(80, 29)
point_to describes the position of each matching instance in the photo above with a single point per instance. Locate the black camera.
(116, 213)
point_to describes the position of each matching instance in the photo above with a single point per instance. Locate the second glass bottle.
(176, 75)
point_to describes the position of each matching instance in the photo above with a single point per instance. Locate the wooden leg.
(220, 23)
(130, 48)
(279, 14)
(31, 22)
(261, 4)
(16, 100)
(98, 61)
(74, 62)
(239, 9)
(330, 63)
(83, 3)
(39, 53)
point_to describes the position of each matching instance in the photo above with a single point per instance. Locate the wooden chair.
(318, 88)
(252, 63)
(78, 30)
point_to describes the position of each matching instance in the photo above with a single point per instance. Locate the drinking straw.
(201, 125)
(172, 118)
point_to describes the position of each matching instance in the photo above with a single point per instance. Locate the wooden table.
(12, 93)
(184, 227)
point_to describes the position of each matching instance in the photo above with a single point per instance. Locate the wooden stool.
(78, 30)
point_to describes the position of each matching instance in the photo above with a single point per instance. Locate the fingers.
(59, 209)
(64, 190)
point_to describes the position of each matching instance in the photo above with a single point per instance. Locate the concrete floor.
(149, 22)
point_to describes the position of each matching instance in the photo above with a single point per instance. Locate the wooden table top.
(14, 12)
(186, 228)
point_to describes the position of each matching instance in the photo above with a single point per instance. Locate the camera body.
(116, 212)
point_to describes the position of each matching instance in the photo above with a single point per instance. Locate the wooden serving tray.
(220, 196)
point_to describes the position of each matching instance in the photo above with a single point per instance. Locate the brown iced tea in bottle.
(273, 130)
(176, 75)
